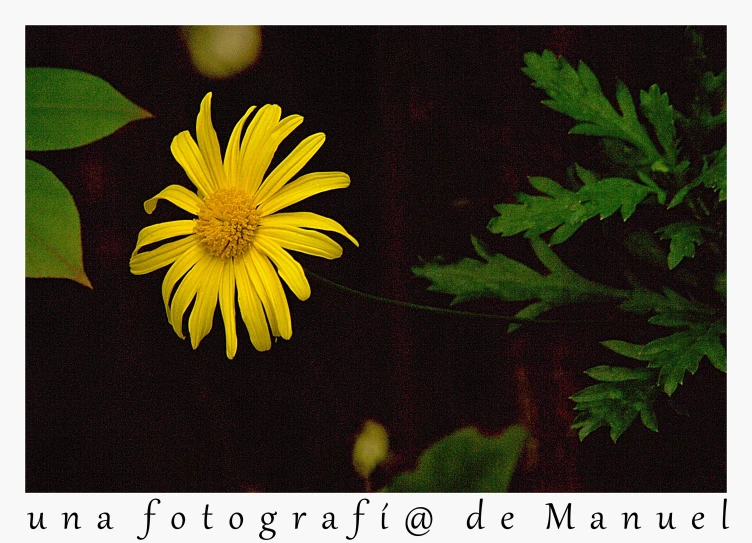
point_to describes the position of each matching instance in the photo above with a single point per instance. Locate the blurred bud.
(371, 448)
(220, 52)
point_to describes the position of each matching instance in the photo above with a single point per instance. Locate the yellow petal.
(209, 144)
(304, 219)
(264, 277)
(202, 314)
(251, 308)
(290, 166)
(160, 257)
(302, 188)
(232, 154)
(178, 269)
(305, 241)
(227, 307)
(289, 269)
(187, 291)
(255, 281)
(277, 135)
(161, 231)
(180, 196)
(254, 139)
(188, 155)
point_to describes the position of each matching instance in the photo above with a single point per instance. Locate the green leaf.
(660, 113)
(566, 210)
(642, 300)
(613, 374)
(713, 176)
(68, 108)
(616, 402)
(684, 236)
(578, 94)
(678, 353)
(720, 283)
(465, 461)
(499, 276)
(53, 230)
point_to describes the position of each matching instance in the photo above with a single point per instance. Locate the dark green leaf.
(612, 374)
(566, 210)
(684, 236)
(53, 230)
(578, 95)
(68, 108)
(499, 276)
(616, 402)
(713, 176)
(678, 353)
(660, 113)
(465, 461)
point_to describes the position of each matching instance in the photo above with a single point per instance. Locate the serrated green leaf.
(465, 461)
(678, 353)
(566, 210)
(616, 404)
(69, 108)
(529, 313)
(506, 279)
(612, 194)
(713, 176)
(655, 105)
(653, 187)
(642, 300)
(631, 350)
(684, 236)
(53, 228)
(498, 277)
(613, 374)
(578, 95)
(586, 176)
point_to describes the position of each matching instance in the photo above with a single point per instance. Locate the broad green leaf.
(68, 108)
(53, 229)
(660, 113)
(566, 210)
(578, 94)
(465, 461)
(616, 402)
(684, 236)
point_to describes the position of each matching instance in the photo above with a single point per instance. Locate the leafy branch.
(654, 169)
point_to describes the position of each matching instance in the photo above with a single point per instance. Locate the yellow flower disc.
(226, 223)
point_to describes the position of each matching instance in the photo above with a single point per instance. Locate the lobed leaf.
(685, 237)
(565, 210)
(616, 402)
(577, 93)
(660, 113)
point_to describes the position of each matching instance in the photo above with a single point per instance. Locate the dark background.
(434, 126)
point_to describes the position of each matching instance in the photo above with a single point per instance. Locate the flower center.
(226, 223)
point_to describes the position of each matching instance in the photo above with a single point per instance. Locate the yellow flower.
(238, 237)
